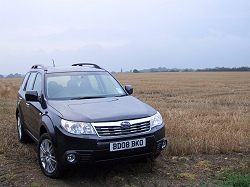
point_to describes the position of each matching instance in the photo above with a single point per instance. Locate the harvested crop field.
(207, 118)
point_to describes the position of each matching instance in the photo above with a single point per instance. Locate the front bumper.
(93, 149)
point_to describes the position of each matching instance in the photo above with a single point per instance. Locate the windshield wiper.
(87, 97)
(121, 95)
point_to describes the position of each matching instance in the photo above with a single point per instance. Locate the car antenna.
(53, 62)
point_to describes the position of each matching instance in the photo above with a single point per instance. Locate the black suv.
(81, 115)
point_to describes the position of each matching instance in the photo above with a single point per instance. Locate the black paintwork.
(102, 109)
(41, 115)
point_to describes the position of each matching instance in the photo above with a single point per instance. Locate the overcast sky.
(127, 34)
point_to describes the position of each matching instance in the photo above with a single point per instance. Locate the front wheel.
(47, 160)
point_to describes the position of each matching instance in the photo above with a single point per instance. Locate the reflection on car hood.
(102, 109)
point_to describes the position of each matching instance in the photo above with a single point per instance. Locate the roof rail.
(87, 64)
(38, 66)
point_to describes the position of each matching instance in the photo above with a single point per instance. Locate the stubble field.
(204, 113)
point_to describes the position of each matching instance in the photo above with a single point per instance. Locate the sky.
(124, 34)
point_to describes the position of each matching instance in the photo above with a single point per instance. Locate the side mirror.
(129, 89)
(31, 96)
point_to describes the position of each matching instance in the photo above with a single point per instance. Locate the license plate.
(127, 144)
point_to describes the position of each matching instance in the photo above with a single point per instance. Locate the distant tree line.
(16, 75)
(225, 69)
(216, 69)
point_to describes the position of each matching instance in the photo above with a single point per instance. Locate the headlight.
(156, 120)
(77, 127)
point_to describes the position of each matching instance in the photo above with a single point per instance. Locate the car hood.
(102, 109)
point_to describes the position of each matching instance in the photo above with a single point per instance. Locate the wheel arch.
(47, 127)
(17, 111)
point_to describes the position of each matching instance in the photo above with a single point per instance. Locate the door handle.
(27, 104)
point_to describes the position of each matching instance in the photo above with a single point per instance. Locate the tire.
(22, 136)
(47, 160)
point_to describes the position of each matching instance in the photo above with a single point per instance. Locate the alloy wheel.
(47, 156)
(19, 128)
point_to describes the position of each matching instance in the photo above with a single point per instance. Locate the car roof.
(79, 67)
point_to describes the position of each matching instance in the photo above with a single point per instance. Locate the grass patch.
(35, 184)
(10, 176)
(187, 176)
(239, 177)
(233, 177)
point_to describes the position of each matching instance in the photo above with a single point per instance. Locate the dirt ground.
(193, 170)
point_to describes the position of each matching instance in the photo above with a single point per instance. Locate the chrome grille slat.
(118, 130)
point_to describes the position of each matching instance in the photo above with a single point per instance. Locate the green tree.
(16, 75)
(135, 71)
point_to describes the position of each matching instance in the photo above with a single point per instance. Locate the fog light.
(164, 144)
(71, 157)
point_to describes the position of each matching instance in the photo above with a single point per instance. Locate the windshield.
(82, 85)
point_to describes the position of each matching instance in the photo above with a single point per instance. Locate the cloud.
(124, 34)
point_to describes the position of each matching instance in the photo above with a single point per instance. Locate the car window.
(94, 82)
(38, 84)
(23, 86)
(60, 80)
(30, 82)
(58, 84)
(82, 84)
(111, 85)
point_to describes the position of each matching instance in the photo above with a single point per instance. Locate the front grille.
(119, 130)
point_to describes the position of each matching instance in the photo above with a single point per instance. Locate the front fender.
(48, 125)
